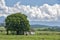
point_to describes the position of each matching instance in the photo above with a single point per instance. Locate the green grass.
(37, 36)
(40, 35)
(29, 37)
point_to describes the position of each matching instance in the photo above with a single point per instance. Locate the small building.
(31, 32)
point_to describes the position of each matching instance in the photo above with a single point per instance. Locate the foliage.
(17, 22)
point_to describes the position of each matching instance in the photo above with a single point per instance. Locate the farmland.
(29, 37)
(40, 35)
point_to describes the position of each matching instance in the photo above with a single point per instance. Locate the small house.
(31, 32)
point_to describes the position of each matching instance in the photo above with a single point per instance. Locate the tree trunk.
(22, 32)
(17, 32)
(7, 32)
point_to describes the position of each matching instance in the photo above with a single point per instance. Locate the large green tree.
(17, 22)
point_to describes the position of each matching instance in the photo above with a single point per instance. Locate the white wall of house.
(29, 33)
(32, 33)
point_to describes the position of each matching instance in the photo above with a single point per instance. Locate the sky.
(32, 2)
(44, 12)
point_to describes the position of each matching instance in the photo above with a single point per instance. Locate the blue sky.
(32, 2)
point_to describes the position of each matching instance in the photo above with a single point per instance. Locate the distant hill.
(42, 26)
(46, 27)
(39, 26)
(2, 19)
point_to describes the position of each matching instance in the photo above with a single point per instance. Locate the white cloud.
(3, 8)
(43, 13)
(2, 3)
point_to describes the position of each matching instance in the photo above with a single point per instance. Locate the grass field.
(30, 37)
(40, 35)
(37, 36)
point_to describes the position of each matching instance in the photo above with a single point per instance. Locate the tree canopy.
(17, 22)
